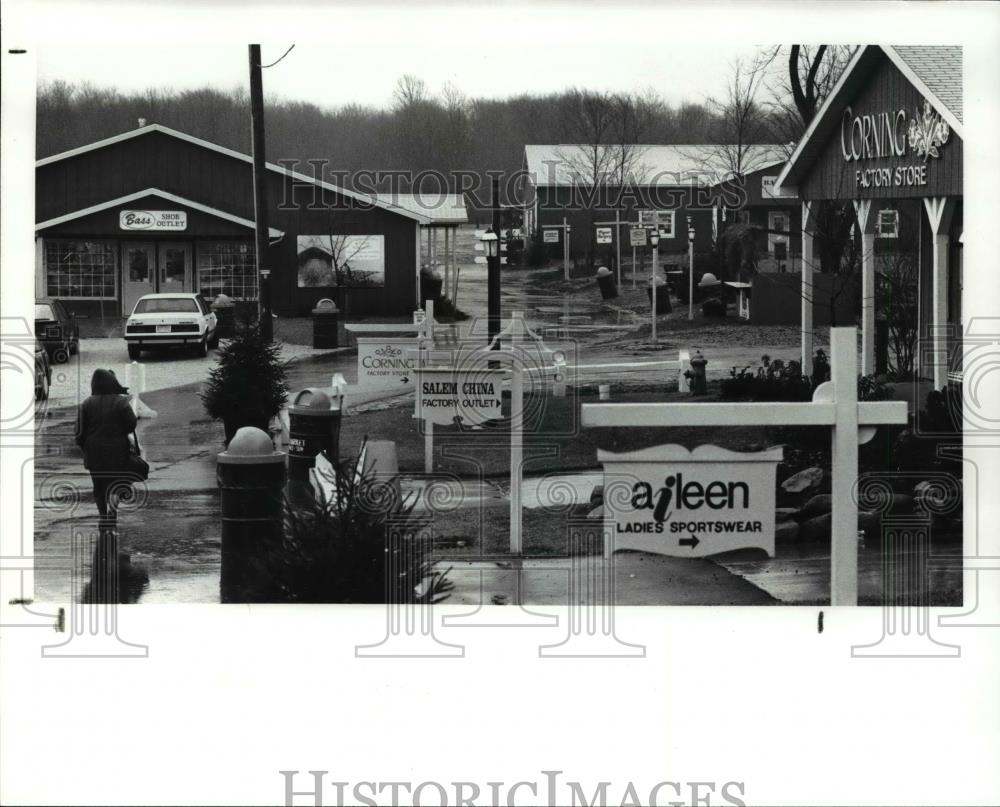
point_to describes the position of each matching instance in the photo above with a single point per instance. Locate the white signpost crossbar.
(835, 404)
(578, 370)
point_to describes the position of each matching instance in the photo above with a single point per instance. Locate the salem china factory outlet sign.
(892, 135)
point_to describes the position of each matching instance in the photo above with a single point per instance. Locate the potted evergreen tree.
(248, 386)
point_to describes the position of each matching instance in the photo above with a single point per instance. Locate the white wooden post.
(939, 210)
(806, 292)
(844, 464)
(633, 267)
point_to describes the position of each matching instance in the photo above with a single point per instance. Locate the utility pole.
(260, 194)
(493, 271)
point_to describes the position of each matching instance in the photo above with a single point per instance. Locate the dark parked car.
(43, 372)
(56, 329)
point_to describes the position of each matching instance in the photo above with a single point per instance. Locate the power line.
(283, 55)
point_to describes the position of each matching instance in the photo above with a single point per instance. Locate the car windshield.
(44, 312)
(166, 306)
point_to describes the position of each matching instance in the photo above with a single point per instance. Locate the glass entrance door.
(174, 267)
(138, 273)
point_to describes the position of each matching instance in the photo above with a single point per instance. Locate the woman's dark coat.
(104, 423)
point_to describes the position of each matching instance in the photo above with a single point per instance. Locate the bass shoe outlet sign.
(673, 501)
(152, 220)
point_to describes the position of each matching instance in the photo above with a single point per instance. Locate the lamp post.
(690, 268)
(493, 265)
(491, 246)
(654, 242)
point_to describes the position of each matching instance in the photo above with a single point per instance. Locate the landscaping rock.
(783, 514)
(787, 532)
(597, 512)
(816, 506)
(804, 480)
(816, 529)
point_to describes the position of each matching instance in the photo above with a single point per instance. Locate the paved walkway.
(71, 380)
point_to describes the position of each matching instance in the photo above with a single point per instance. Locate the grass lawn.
(554, 439)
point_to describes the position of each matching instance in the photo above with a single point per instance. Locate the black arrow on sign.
(691, 542)
(405, 378)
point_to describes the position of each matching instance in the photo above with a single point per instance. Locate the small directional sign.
(672, 501)
(470, 396)
(384, 362)
(550, 236)
(637, 237)
(604, 235)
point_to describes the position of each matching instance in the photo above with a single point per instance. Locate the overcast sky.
(367, 49)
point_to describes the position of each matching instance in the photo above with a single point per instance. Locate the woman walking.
(104, 422)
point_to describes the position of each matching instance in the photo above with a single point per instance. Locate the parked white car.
(171, 320)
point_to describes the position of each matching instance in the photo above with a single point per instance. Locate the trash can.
(662, 296)
(606, 282)
(225, 315)
(430, 285)
(313, 427)
(326, 319)
(251, 478)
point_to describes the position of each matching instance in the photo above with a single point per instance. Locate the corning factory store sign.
(152, 220)
(886, 135)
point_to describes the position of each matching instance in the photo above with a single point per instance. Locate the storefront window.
(227, 267)
(81, 269)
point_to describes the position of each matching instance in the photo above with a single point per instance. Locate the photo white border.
(230, 695)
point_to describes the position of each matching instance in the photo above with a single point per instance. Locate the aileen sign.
(152, 219)
(672, 501)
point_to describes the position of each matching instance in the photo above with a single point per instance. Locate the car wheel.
(214, 341)
(134, 352)
(60, 354)
(202, 349)
(42, 388)
(74, 347)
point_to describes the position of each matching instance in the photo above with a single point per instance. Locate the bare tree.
(344, 249)
(634, 117)
(409, 91)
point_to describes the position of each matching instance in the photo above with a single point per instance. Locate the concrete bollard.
(251, 477)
